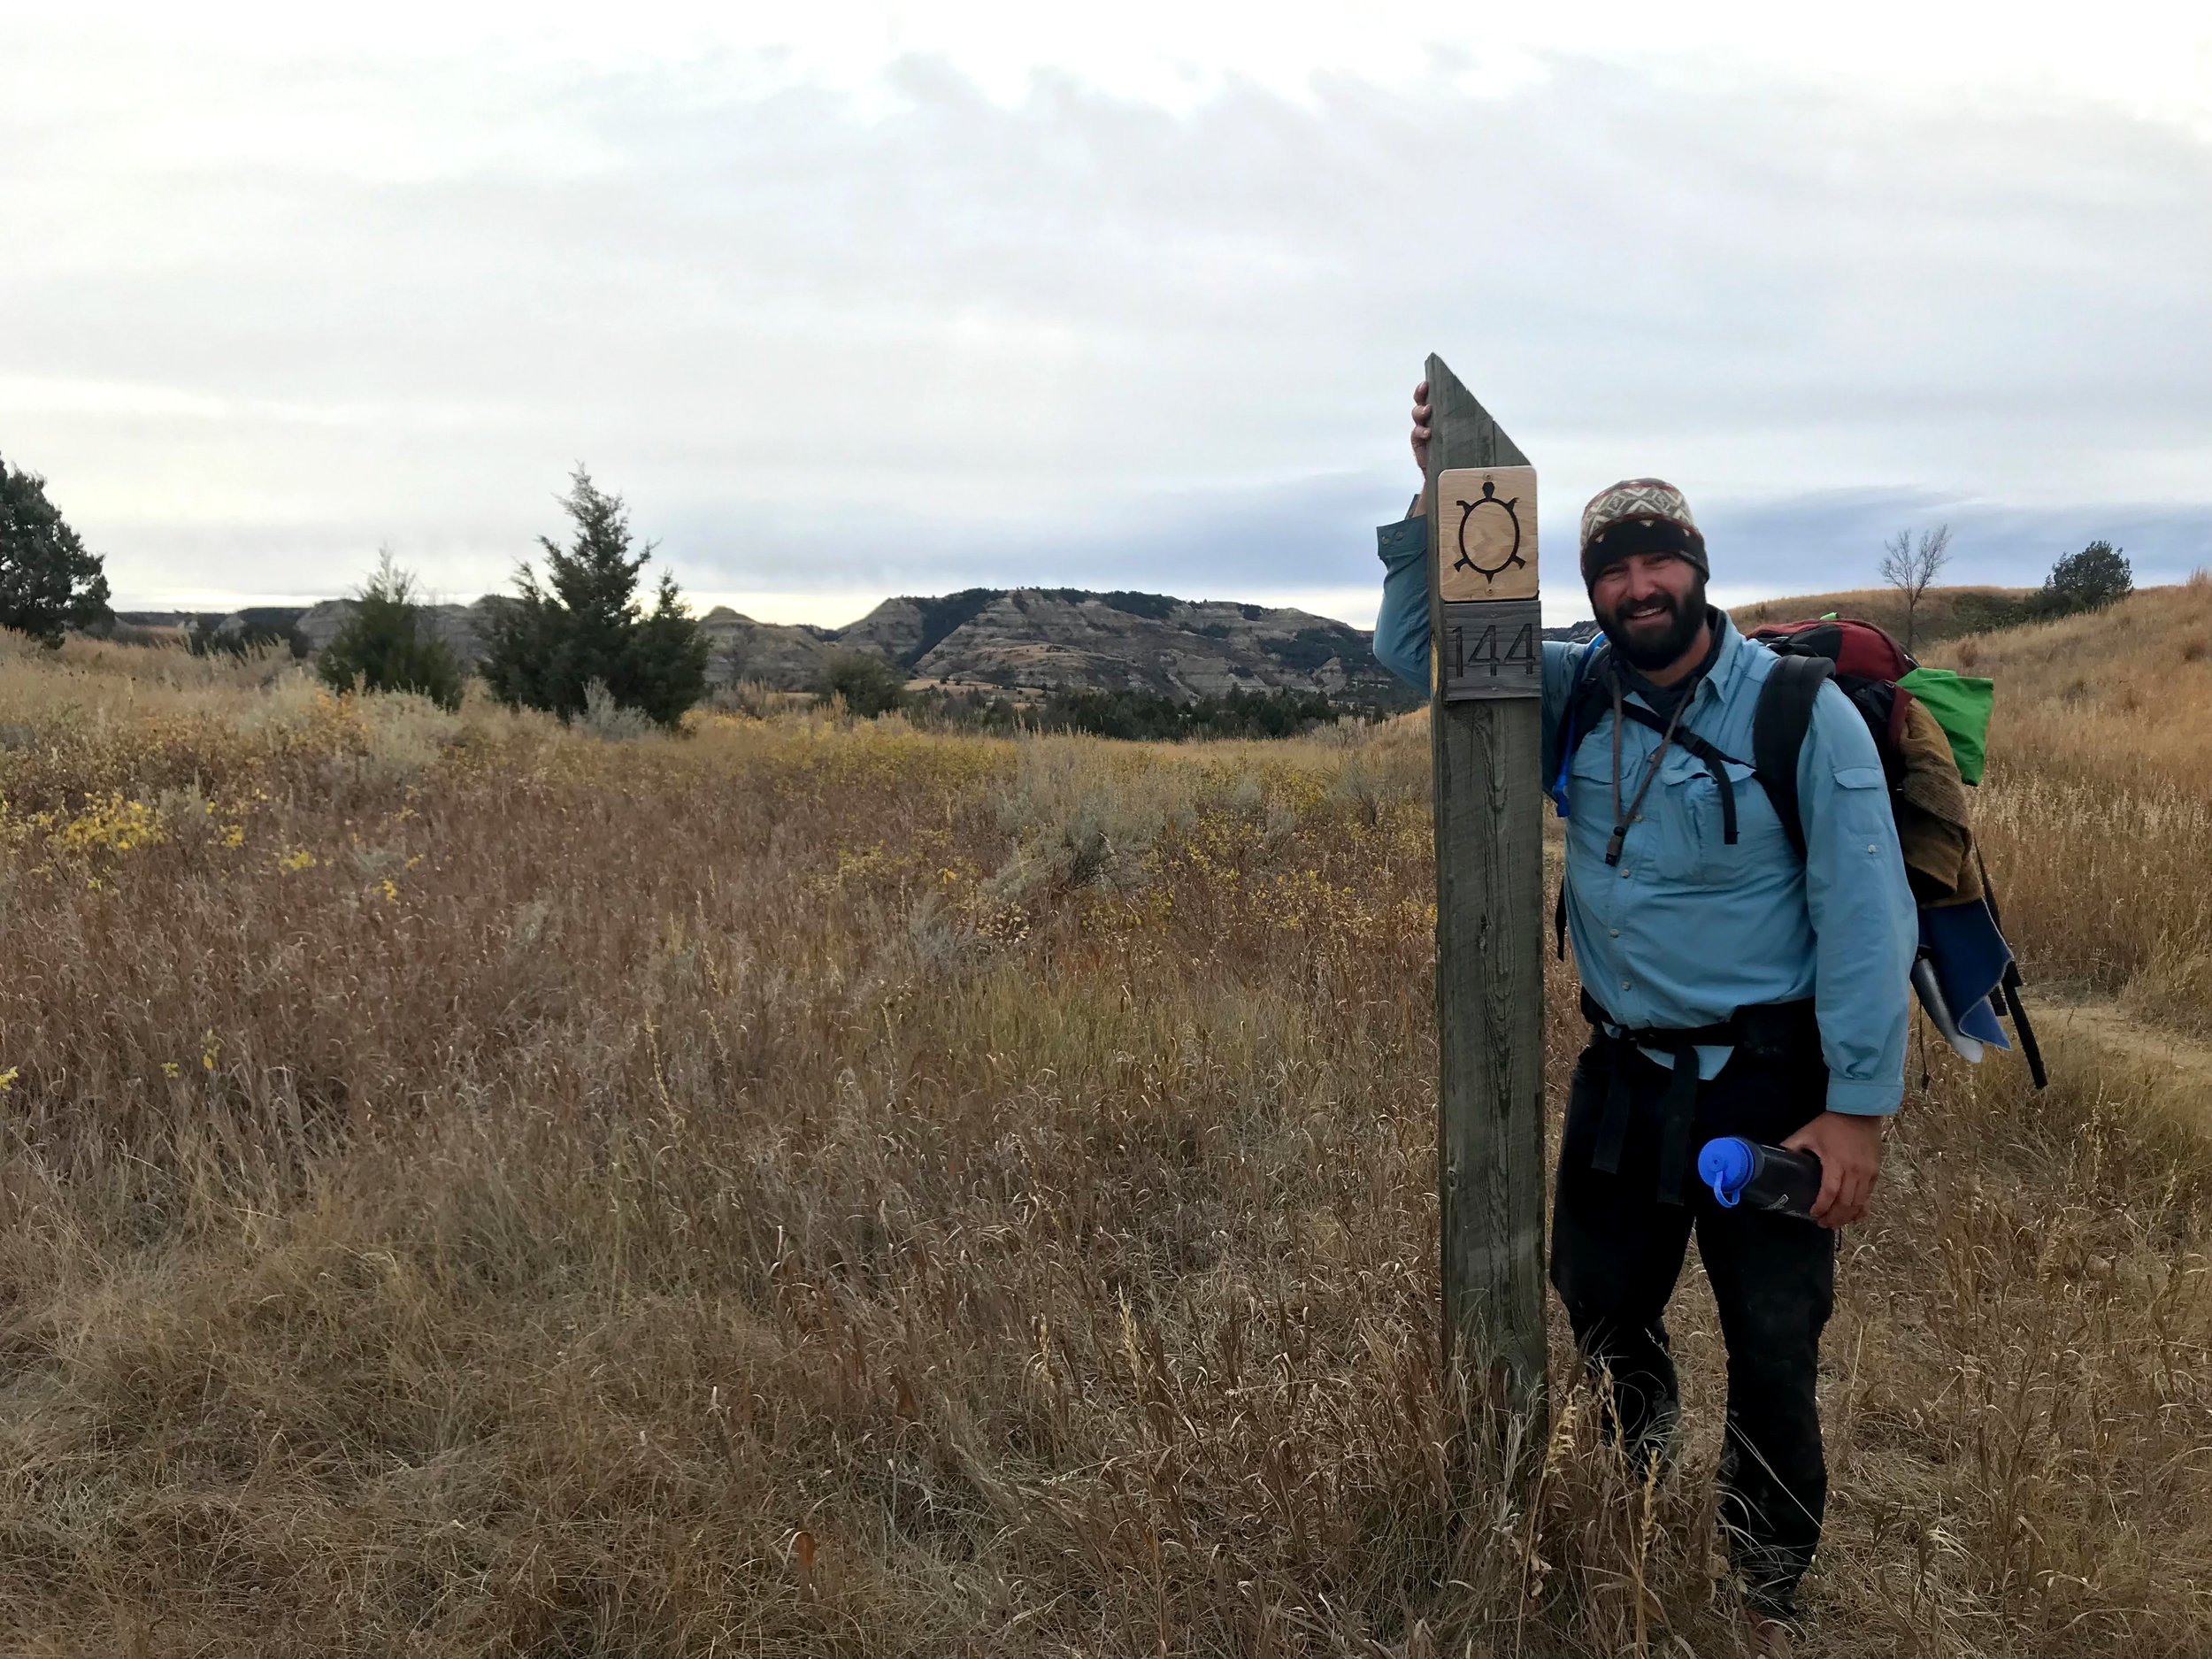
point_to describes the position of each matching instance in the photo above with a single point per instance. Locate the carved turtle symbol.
(1490, 574)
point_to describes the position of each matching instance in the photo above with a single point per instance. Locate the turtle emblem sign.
(1487, 517)
(1466, 558)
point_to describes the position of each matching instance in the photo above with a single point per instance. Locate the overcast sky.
(858, 301)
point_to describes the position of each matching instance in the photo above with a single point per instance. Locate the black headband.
(1647, 536)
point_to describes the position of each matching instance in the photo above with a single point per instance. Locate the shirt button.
(1870, 846)
(1624, 875)
(1616, 933)
(1624, 985)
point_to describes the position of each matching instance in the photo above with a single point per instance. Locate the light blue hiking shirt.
(1686, 929)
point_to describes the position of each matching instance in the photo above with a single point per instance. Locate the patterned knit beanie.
(1639, 515)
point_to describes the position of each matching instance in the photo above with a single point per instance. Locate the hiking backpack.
(1881, 680)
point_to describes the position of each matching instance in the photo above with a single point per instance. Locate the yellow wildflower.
(113, 825)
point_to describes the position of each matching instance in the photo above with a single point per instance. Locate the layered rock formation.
(1021, 638)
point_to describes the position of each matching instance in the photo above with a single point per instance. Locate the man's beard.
(1645, 652)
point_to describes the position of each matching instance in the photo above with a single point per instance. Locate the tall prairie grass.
(819, 1188)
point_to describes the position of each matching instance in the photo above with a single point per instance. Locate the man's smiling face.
(1650, 606)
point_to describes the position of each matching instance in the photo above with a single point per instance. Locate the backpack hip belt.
(1775, 1030)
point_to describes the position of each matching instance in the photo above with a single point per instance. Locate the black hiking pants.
(1617, 1251)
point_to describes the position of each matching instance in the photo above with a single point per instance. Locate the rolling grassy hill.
(1944, 612)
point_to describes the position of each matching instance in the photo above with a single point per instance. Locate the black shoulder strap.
(1590, 700)
(1778, 735)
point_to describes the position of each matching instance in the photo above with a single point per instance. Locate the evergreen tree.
(586, 625)
(385, 645)
(870, 685)
(247, 633)
(2097, 576)
(48, 581)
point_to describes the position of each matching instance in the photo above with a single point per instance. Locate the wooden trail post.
(1487, 718)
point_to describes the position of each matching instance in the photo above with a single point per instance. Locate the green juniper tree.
(546, 648)
(386, 646)
(48, 581)
(2097, 576)
(869, 684)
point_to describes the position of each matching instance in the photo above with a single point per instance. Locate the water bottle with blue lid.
(1741, 1171)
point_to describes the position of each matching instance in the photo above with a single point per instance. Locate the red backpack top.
(1868, 666)
(1854, 646)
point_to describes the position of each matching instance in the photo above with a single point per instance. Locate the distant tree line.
(1149, 716)
(866, 686)
(245, 632)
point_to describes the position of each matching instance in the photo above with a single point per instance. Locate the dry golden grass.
(806, 1189)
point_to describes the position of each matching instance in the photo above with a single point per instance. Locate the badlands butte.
(1020, 639)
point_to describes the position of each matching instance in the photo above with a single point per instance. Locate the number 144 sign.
(1492, 649)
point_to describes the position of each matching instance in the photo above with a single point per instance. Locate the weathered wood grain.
(1489, 976)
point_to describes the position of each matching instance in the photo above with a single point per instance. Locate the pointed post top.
(1465, 435)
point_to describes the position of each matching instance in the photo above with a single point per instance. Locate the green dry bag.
(1961, 705)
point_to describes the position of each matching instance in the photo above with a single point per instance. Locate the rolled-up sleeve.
(1402, 627)
(1864, 926)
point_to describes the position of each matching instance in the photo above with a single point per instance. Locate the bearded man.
(1732, 986)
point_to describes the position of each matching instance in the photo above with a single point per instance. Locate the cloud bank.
(916, 332)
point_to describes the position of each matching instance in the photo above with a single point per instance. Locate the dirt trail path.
(2104, 1024)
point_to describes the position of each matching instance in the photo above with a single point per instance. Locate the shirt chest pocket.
(1681, 835)
(1668, 838)
(1729, 821)
(1684, 807)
